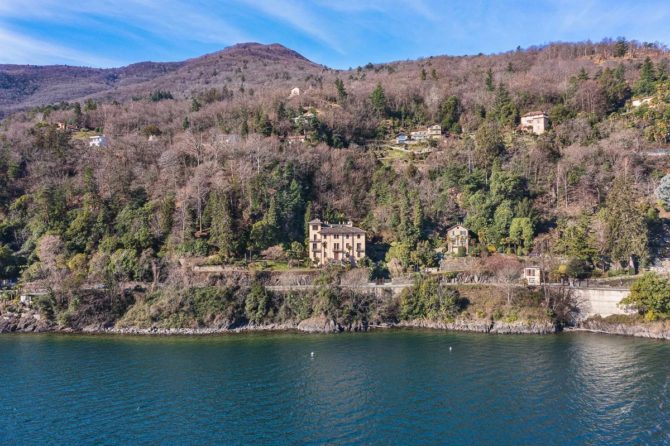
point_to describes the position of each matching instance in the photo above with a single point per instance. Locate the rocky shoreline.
(484, 326)
(33, 322)
(650, 330)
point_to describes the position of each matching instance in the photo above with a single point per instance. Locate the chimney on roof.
(350, 223)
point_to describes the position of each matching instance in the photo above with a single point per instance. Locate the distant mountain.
(538, 75)
(23, 86)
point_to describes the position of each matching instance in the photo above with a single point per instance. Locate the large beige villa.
(335, 242)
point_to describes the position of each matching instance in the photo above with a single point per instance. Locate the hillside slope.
(215, 158)
(23, 86)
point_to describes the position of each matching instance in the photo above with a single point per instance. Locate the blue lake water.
(387, 388)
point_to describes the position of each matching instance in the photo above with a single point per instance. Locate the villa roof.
(535, 113)
(457, 226)
(341, 229)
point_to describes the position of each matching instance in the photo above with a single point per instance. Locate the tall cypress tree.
(222, 230)
(489, 80)
(378, 99)
(627, 231)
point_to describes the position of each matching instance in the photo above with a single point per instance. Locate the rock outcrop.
(652, 330)
(485, 326)
(25, 322)
(319, 324)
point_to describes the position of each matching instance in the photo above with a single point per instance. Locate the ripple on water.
(374, 388)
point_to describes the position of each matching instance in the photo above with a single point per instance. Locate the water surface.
(399, 387)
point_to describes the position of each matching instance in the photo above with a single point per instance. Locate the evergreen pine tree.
(489, 80)
(222, 231)
(341, 92)
(378, 99)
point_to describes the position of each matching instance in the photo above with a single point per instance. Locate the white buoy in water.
(312, 354)
(449, 348)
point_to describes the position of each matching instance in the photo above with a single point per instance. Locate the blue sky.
(337, 33)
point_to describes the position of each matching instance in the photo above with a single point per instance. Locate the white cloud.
(21, 49)
(146, 22)
(354, 29)
(300, 18)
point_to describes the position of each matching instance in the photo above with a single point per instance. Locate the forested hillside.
(24, 86)
(200, 160)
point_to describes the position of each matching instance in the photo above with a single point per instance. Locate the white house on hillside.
(97, 141)
(419, 135)
(536, 122)
(401, 138)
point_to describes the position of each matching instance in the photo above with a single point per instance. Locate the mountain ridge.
(24, 86)
(275, 69)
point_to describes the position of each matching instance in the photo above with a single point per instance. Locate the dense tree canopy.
(230, 169)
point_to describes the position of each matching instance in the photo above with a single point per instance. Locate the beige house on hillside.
(458, 237)
(435, 131)
(432, 132)
(536, 122)
(419, 135)
(532, 275)
(335, 242)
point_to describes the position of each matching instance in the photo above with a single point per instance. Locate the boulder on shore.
(319, 324)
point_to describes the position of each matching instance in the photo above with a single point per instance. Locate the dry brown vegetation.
(198, 162)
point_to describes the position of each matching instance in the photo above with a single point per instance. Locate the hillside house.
(435, 131)
(419, 135)
(294, 92)
(532, 275)
(66, 127)
(228, 138)
(305, 119)
(536, 122)
(329, 243)
(97, 141)
(295, 139)
(432, 132)
(458, 237)
(401, 138)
